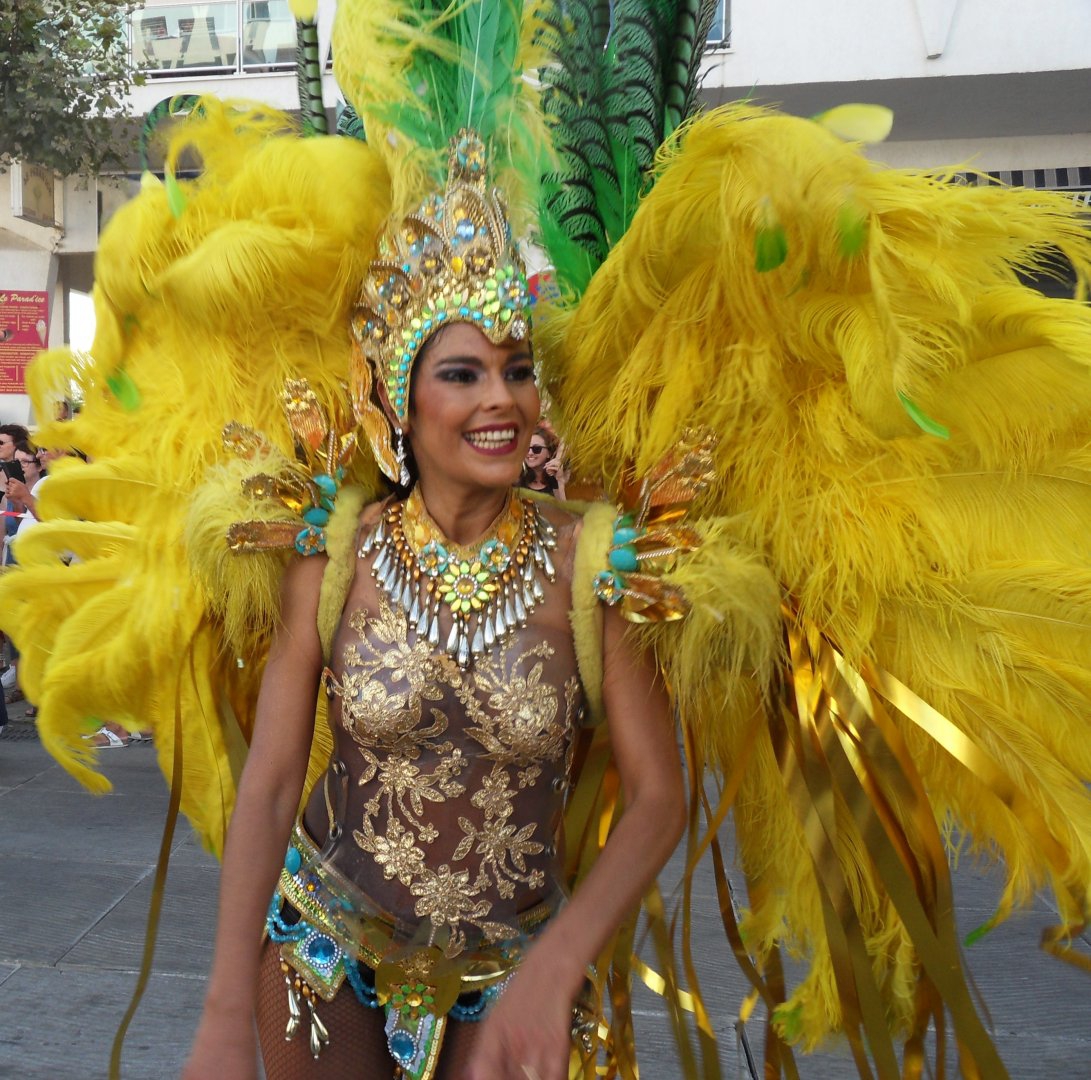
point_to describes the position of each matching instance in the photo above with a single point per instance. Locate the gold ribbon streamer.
(960, 746)
(155, 907)
(839, 748)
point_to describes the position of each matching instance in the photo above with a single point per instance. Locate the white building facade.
(1000, 85)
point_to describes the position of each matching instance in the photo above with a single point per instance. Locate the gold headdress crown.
(453, 260)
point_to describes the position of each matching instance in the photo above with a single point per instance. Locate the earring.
(403, 472)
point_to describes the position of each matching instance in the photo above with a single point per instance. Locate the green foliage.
(64, 72)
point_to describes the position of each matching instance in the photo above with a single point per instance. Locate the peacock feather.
(312, 111)
(624, 78)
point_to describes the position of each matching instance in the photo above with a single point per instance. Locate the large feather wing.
(203, 310)
(853, 557)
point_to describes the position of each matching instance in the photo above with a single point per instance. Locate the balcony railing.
(228, 37)
(214, 39)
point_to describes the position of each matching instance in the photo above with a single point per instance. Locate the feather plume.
(606, 93)
(416, 74)
(208, 314)
(958, 566)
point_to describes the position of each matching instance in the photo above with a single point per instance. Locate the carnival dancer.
(843, 449)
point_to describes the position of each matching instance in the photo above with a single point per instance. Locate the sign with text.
(24, 331)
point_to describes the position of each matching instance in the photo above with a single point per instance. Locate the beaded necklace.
(489, 587)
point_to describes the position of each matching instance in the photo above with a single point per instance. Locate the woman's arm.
(265, 808)
(529, 1025)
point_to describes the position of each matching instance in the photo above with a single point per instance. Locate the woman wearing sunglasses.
(543, 469)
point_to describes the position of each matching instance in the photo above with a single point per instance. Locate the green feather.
(124, 389)
(312, 112)
(179, 105)
(687, 36)
(632, 96)
(176, 197)
(922, 419)
(852, 227)
(479, 26)
(770, 247)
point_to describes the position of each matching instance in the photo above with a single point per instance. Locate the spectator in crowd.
(543, 467)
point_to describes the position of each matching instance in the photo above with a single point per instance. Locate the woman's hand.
(555, 467)
(18, 492)
(224, 1048)
(527, 1034)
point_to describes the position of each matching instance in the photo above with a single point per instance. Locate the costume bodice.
(446, 787)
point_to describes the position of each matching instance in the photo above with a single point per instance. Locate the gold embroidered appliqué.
(394, 695)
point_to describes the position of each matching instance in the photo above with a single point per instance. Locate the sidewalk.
(75, 890)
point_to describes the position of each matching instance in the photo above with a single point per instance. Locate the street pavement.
(74, 897)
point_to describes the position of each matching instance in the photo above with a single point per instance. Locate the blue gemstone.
(293, 861)
(625, 535)
(624, 559)
(326, 484)
(464, 230)
(402, 1046)
(322, 950)
(317, 516)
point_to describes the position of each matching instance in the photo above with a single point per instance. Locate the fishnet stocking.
(458, 1043)
(357, 1049)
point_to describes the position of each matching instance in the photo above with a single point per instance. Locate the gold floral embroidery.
(393, 692)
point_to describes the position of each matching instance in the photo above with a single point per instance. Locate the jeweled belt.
(415, 982)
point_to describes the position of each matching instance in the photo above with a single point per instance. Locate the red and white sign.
(24, 331)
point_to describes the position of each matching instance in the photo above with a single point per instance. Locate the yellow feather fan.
(130, 630)
(851, 557)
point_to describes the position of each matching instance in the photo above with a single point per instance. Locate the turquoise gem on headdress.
(464, 230)
(609, 587)
(310, 541)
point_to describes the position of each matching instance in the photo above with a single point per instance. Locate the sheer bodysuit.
(442, 803)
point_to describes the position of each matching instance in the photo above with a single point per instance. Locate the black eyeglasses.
(538, 449)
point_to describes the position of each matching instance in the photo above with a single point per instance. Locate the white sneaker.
(9, 678)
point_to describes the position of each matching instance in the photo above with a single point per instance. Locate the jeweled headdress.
(445, 94)
(452, 260)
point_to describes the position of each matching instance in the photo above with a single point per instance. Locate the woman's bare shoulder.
(559, 515)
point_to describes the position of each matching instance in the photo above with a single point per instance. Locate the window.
(719, 33)
(214, 39)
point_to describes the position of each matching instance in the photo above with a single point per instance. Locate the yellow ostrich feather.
(958, 567)
(154, 606)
